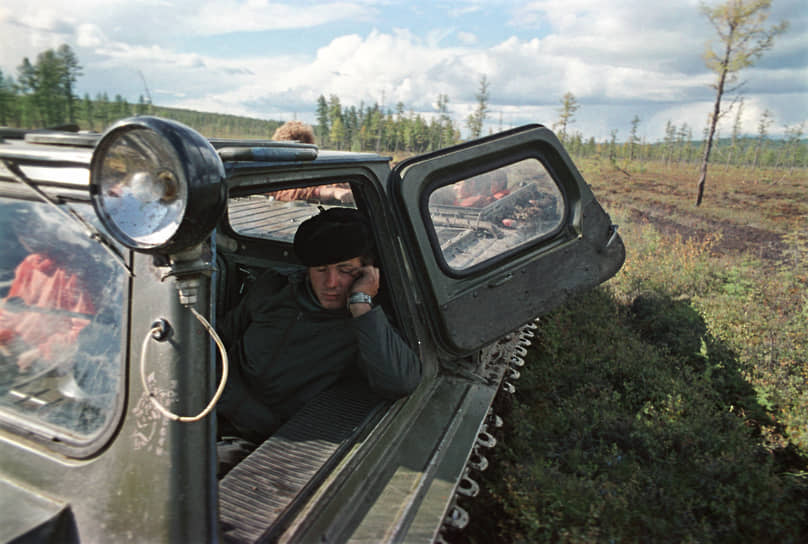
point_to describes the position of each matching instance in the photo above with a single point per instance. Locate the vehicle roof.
(63, 158)
(33, 151)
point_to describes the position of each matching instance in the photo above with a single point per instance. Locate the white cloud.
(226, 16)
(620, 59)
(89, 35)
(456, 11)
(169, 92)
(467, 38)
(521, 72)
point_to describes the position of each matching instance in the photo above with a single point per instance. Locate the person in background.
(294, 131)
(334, 192)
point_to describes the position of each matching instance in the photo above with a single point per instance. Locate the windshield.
(275, 215)
(61, 312)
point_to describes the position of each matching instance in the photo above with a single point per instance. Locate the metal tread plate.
(260, 490)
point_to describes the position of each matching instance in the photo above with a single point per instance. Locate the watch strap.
(358, 298)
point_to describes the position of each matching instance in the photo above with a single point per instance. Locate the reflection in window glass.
(275, 215)
(478, 218)
(61, 306)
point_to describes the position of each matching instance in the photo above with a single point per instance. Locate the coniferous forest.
(42, 94)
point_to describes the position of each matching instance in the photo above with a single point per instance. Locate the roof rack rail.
(60, 135)
(263, 150)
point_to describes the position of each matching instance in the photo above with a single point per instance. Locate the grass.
(671, 403)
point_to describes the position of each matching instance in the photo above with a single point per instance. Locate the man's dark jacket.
(284, 348)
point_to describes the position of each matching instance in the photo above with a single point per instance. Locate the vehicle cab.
(121, 251)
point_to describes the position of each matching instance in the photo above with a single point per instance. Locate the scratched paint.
(151, 428)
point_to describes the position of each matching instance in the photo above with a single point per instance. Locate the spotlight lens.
(141, 187)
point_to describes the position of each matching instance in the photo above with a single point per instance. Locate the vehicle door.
(501, 230)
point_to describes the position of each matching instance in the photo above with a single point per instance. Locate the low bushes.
(646, 411)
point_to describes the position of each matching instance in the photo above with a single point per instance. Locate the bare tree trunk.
(713, 122)
(709, 145)
(703, 171)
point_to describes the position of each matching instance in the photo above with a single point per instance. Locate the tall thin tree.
(70, 72)
(88, 112)
(633, 138)
(613, 146)
(27, 85)
(736, 133)
(6, 99)
(743, 37)
(766, 120)
(476, 119)
(566, 114)
(323, 126)
(669, 141)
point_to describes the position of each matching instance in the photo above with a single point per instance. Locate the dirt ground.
(751, 213)
(734, 238)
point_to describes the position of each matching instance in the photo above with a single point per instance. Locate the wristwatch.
(358, 298)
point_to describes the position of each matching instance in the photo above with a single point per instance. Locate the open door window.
(502, 229)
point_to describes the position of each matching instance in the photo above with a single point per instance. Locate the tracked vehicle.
(119, 252)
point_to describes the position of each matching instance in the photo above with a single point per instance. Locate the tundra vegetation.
(671, 403)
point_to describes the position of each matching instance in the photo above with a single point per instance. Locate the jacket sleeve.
(390, 366)
(235, 322)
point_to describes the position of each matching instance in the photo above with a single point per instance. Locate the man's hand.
(367, 281)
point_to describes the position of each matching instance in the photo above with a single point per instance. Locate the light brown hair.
(294, 131)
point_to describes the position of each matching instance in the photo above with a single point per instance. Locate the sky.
(272, 59)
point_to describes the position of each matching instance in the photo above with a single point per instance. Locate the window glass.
(275, 215)
(61, 311)
(478, 218)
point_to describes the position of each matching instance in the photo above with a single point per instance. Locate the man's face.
(332, 282)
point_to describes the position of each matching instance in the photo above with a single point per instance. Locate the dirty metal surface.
(255, 496)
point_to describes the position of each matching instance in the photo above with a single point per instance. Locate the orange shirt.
(41, 283)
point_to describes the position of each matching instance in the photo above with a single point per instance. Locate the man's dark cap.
(332, 236)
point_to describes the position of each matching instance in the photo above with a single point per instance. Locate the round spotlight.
(157, 185)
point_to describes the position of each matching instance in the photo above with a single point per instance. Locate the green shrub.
(668, 406)
(613, 439)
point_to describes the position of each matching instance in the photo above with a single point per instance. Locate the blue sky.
(272, 59)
